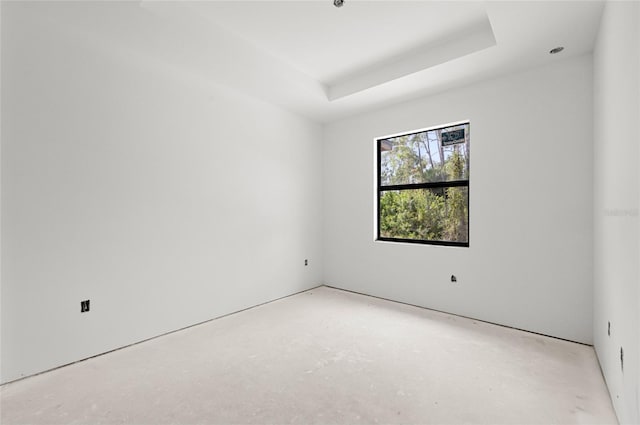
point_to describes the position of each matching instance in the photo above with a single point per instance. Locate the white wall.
(616, 250)
(0, 197)
(164, 200)
(529, 260)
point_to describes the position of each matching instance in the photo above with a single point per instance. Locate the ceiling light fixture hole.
(338, 3)
(556, 50)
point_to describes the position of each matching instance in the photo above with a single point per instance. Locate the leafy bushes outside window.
(423, 186)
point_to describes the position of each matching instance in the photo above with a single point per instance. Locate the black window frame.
(412, 186)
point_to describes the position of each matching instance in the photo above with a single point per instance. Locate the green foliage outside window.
(432, 205)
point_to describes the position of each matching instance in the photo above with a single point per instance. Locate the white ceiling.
(328, 43)
(325, 62)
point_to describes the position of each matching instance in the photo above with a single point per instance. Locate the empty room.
(320, 212)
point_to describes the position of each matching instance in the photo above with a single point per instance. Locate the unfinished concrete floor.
(325, 357)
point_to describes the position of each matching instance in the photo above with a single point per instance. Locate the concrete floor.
(325, 357)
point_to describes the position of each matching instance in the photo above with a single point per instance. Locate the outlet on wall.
(84, 306)
(306, 262)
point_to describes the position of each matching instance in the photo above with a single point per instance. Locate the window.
(423, 186)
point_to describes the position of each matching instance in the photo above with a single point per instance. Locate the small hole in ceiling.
(556, 50)
(338, 3)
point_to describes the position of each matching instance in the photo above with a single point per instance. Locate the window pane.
(429, 156)
(440, 214)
